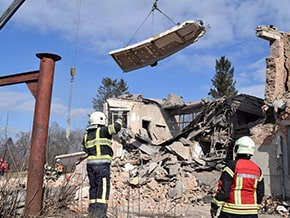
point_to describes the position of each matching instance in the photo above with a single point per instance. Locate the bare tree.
(22, 149)
(57, 142)
(75, 140)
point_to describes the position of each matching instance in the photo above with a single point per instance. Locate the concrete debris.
(208, 139)
(145, 189)
(275, 206)
(12, 197)
(268, 32)
(142, 180)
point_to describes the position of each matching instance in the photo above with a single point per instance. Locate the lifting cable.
(154, 7)
(76, 36)
(73, 68)
(72, 73)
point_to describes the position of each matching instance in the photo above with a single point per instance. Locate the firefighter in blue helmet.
(241, 186)
(97, 143)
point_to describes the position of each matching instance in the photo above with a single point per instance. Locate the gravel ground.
(199, 211)
(204, 212)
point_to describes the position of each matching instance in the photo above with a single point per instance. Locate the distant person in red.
(5, 166)
(1, 167)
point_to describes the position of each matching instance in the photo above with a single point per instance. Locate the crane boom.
(9, 12)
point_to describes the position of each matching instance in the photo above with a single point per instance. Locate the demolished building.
(213, 124)
(199, 134)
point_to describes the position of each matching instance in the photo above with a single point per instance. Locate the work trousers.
(229, 215)
(99, 179)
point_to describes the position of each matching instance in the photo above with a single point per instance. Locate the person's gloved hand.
(213, 210)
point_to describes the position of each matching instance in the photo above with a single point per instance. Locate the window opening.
(146, 125)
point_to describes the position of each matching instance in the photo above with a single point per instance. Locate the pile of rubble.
(152, 185)
(273, 206)
(208, 139)
(160, 185)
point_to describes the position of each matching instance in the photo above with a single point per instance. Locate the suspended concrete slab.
(158, 47)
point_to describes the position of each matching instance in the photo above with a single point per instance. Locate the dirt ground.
(198, 211)
(204, 212)
(149, 208)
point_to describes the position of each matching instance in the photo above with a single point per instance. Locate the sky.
(84, 32)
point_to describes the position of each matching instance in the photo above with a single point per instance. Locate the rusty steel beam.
(30, 78)
(19, 78)
(34, 190)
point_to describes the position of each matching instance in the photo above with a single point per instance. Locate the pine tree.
(223, 82)
(109, 89)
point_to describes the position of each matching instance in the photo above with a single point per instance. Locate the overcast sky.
(84, 32)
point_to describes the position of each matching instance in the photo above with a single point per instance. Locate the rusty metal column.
(34, 190)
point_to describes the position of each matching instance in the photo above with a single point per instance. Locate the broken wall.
(274, 149)
(144, 116)
(277, 67)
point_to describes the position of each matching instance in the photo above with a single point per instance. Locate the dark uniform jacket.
(97, 142)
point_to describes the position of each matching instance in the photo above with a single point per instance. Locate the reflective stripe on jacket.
(97, 142)
(241, 188)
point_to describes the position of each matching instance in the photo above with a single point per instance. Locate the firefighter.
(48, 172)
(47, 168)
(241, 186)
(58, 168)
(97, 143)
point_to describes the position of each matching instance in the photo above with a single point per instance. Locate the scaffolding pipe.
(34, 191)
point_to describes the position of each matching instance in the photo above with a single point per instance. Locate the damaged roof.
(221, 122)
